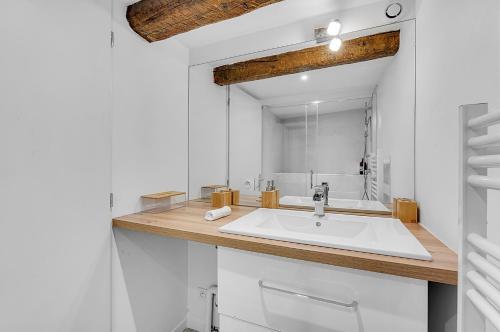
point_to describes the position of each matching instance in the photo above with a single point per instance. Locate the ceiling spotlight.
(335, 44)
(393, 10)
(334, 28)
(304, 77)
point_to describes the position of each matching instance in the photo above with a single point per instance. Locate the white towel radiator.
(479, 278)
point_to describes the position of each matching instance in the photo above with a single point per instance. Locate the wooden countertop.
(187, 223)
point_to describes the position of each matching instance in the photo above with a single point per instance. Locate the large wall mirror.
(349, 126)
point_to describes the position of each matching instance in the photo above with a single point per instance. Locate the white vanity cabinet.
(260, 292)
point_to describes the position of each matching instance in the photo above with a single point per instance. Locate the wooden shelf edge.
(163, 195)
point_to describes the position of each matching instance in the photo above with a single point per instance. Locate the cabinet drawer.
(292, 295)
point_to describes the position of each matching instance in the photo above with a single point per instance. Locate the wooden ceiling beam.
(355, 50)
(156, 20)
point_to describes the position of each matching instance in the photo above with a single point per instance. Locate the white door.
(55, 106)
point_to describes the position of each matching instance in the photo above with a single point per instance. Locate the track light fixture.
(334, 28)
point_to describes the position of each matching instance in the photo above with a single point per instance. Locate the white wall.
(295, 146)
(245, 147)
(457, 63)
(334, 154)
(55, 166)
(342, 186)
(149, 116)
(150, 277)
(273, 144)
(340, 142)
(207, 130)
(335, 146)
(395, 111)
(207, 165)
(150, 154)
(202, 274)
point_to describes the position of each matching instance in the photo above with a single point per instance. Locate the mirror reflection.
(345, 133)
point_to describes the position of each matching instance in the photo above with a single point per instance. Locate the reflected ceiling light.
(335, 44)
(334, 28)
(304, 77)
(316, 102)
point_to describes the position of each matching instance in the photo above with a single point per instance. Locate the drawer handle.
(351, 305)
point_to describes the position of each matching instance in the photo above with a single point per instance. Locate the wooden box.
(407, 210)
(221, 199)
(271, 199)
(235, 197)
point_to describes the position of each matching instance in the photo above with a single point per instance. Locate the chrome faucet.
(319, 201)
(326, 189)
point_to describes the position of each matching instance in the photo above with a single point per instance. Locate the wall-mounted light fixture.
(335, 44)
(334, 28)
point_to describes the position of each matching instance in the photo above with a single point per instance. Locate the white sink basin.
(377, 235)
(352, 204)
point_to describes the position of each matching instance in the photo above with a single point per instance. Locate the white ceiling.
(269, 17)
(342, 105)
(339, 88)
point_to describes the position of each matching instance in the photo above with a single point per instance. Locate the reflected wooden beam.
(156, 20)
(355, 50)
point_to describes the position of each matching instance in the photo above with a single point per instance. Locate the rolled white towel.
(217, 214)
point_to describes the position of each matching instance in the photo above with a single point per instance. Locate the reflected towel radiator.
(479, 278)
(372, 158)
